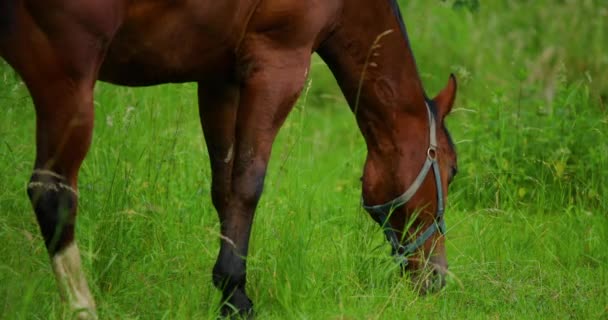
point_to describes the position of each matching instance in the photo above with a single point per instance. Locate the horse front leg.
(239, 164)
(218, 106)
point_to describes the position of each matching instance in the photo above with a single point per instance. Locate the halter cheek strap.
(381, 212)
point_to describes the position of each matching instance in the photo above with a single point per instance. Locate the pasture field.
(527, 214)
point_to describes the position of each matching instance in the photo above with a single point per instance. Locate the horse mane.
(397, 12)
(432, 105)
(7, 15)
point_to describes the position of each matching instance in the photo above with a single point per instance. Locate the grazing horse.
(250, 59)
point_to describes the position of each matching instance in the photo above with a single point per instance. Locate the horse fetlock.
(229, 276)
(72, 283)
(231, 280)
(54, 202)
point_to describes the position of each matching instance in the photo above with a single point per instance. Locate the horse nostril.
(430, 281)
(433, 283)
(438, 280)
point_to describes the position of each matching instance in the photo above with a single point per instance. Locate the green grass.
(527, 215)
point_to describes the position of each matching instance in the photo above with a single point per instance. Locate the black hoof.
(237, 306)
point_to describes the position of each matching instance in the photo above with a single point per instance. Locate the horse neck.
(370, 57)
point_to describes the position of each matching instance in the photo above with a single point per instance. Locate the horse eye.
(453, 173)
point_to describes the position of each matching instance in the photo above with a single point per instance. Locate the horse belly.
(174, 41)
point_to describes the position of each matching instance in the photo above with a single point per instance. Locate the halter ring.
(431, 153)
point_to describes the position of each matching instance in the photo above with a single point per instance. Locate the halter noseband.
(381, 212)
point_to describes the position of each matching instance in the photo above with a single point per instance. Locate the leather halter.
(381, 213)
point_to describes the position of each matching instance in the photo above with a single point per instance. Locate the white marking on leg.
(51, 186)
(230, 154)
(72, 283)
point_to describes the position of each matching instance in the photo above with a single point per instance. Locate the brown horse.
(251, 59)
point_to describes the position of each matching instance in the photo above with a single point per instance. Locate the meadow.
(527, 214)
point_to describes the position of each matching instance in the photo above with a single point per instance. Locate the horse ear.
(445, 99)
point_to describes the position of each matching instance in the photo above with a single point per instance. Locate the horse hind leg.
(60, 69)
(62, 140)
(54, 201)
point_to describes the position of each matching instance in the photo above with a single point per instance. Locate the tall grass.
(528, 228)
(531, 109)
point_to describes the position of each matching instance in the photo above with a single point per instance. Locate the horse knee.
(54, 203)
(248, 187)
(220, 195)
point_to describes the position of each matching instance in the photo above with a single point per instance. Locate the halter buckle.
(431, 153)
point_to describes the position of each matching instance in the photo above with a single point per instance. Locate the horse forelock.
(432, 105)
